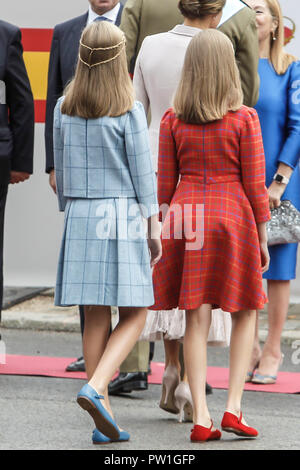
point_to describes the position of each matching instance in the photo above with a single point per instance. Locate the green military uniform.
(141, 18)
(242, 31)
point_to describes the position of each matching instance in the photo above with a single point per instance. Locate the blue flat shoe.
(90, 401)
(264, 379)
(99, 438)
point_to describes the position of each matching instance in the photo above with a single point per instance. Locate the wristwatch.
(281, 179)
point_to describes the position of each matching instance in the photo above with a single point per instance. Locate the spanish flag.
(36, 45)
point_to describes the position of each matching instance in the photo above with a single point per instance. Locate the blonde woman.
(211, 175)
(104, 171)
(278, 109)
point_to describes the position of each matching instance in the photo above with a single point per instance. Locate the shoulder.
(238, 16)
(132, 5)
(10, 31)
(246, 111)
(169, 117)
(294, 70)
(244, 116)
(155, 40)
(136, 115)
(9, 28)
(57, 111)
(68, 25)
(59, 102)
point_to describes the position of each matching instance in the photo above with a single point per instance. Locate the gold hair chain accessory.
(92, 49)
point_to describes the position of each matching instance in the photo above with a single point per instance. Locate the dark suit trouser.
(3, 194)
(81, 313)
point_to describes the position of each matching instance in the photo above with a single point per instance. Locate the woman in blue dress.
(278, 108)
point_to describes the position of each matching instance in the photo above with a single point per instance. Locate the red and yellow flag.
(37, 44)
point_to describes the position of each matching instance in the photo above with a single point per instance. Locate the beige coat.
(141, 18)
(155, 79)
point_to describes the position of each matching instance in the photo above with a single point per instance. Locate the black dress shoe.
(208, 389)
(126, 382)
(76, 366)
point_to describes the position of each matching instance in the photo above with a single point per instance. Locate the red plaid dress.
(213, 178)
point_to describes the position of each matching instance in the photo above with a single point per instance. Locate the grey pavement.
(42, 413)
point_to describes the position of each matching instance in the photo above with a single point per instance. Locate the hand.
(18, 177)
(265, 257)
(275, 191)
(155, 248)
(52, 180)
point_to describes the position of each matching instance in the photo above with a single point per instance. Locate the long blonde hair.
(279, 58)
(210, 84)
(101, 85)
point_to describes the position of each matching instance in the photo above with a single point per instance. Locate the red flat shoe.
(231, 423)
(203, 434)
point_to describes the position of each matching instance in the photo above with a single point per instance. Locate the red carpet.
(217, 377)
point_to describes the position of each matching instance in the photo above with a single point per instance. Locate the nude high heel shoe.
(266, 379)
(170, 382)
(184, 402)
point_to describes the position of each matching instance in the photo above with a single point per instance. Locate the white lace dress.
(170, 324)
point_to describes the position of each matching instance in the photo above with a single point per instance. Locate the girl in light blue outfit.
(107, 187)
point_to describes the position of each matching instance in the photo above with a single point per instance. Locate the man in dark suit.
(16, 121)
(63, 60)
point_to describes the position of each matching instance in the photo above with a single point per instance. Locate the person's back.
(211, 152)
(106, 184)
(160, 60)
(94, 160)
(157, 74)
(211, 181)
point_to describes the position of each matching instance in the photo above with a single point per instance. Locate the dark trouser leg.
(151, 353)
(81, 312)
(3, 194)
(181, 360)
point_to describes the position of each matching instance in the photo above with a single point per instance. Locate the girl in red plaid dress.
(214, 231)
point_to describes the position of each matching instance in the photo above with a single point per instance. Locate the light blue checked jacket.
(108, 157)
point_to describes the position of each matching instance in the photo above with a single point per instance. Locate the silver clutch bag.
(284, 226)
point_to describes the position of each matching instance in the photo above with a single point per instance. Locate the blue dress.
(105, 185)
(278, 109)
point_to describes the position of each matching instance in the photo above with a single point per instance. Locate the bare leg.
(279, 297)
(119, 345)
(195, 355)
(96, 332)
(185, 378)
(172, 353)
(256, 351)
(95, 336)
(241, 345)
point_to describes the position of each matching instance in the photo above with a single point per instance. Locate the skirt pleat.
(104, 257)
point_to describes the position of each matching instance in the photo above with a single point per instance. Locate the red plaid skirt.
(226, 270)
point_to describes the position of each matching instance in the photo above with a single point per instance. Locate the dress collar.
(184, 30)
(111, 14)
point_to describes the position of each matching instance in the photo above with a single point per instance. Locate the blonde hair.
(210, 84)
(279, 58)
(101, 85)
(200, 8)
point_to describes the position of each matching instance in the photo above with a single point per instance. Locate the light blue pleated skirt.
(104, 257)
